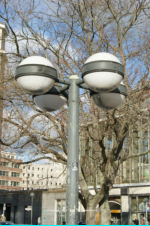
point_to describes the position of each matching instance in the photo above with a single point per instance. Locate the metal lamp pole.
(32, 196)
(101, 73)
(4, 208)
(73, 153)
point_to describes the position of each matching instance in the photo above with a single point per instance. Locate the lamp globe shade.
(36, 75)
(110, 100)
(102, 72)
(52, 100)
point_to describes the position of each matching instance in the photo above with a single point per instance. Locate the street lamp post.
(4, 208)
(32, 194)
(101, 75)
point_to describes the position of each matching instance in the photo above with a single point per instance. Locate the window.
(134, 204)
(61, 208)
(38, 175)
(37, 182)
(32, 175)
(23, 181)
(15, 165)
(15, 183)
(42, 176)
(4, 164)
(141, 203)
(41, 183)
(12, 157)
(28, 167)
(51, 170)
(55, 183)
(51, 183)
(3, 173)
(32, 182)
(28, 174)
(144, 158)
(14, 174)
(42, 169)
(32, 168)
(24, 167)
(38, 168)
(8, 156)
(23, 174)
(3, 182)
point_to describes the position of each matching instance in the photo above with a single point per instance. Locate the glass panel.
(125, 145)
(134, 215)
(61, 214)
(143, 220)
(134, 204)
(141, 203)
(144, 158)
(149, 218)
(4, 164)
(3, 182)
(3, 173)
(58, 212)
(144, 174)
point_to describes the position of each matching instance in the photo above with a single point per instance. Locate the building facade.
(10, 171)
(132, 183)
(43, 176)
(14, 175)
(50, 204)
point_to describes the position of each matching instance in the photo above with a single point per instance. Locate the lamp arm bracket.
(63, 81)
(79, 81)
(64, 88)
(83, 86)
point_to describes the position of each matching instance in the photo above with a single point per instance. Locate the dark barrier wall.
(125, 218)
(18, 205)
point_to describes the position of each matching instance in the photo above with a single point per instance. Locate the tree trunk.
(105, 213)
(90, 213)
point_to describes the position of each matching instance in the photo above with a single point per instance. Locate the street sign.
(28, 209)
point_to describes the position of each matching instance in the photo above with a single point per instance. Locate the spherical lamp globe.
(36, 75)
(102, 72)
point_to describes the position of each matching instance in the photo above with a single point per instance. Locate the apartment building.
(10, 171)
(14, 176)
(43, 176)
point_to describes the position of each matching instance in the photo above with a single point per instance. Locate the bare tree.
(67, 33)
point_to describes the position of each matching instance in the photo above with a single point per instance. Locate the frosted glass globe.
(37, 82)
(50, 102)
(106, 75)
(110, 100)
